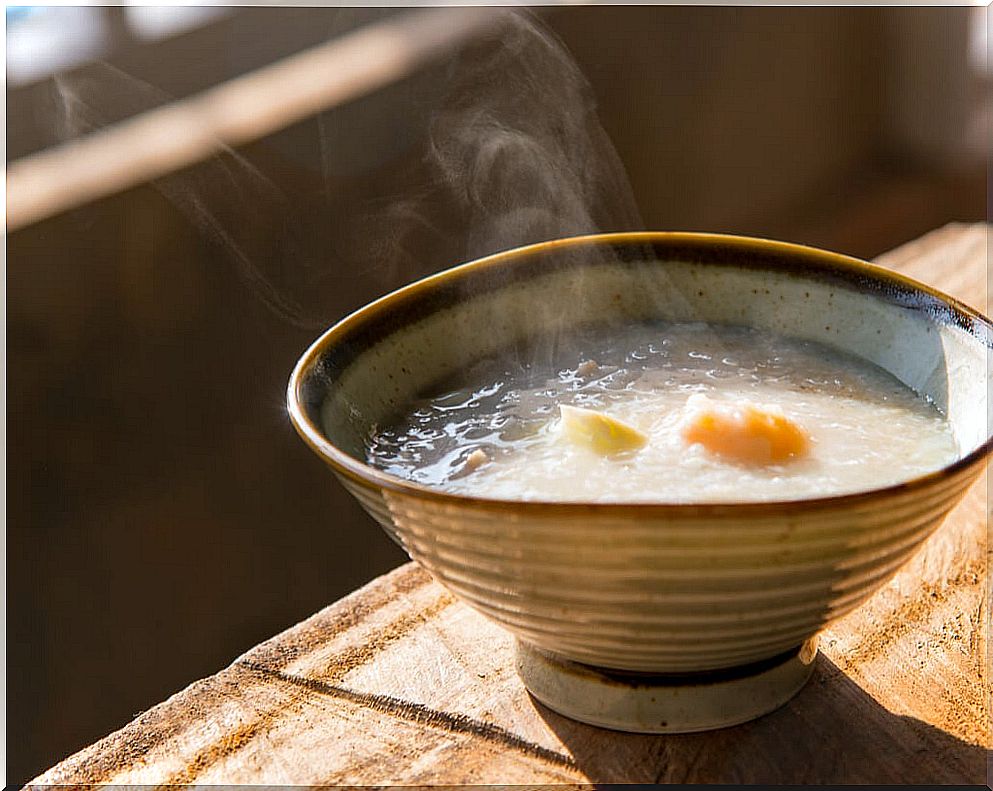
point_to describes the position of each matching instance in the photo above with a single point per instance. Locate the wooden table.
(400, 684)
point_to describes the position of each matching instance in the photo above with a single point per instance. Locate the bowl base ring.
(671, 703)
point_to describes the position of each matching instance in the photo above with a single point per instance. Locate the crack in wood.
(348, 660)
(420, 714)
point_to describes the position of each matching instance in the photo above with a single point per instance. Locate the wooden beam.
(243, 109)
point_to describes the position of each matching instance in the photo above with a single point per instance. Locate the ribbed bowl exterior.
(660, 588)
(671, 589)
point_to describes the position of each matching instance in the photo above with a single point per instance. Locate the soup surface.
(669, 413)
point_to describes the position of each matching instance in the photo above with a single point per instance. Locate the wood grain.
(400, 684)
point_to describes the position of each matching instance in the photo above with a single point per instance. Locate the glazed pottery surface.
(649, 587)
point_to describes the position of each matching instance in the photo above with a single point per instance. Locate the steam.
(520, 147)
(228, 199)
(509, 152)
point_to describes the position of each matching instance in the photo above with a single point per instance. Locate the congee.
(668, 413)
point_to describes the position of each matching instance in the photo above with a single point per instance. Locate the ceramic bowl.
(618, 607)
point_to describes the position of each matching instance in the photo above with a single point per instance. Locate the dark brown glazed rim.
(343, 342)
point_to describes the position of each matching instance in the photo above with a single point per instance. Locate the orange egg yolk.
(746, 433)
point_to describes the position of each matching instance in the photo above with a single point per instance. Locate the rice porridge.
(668, 413)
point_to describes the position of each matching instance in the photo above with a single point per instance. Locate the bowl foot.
(672, 703)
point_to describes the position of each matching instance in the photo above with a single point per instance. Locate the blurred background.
(162, 516)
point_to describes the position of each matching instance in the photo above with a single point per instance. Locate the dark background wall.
(162, 515)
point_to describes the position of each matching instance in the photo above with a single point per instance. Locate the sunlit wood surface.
(400, 684)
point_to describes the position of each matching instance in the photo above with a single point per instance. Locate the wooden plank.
(400, 684)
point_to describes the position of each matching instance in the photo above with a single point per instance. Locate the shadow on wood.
(832, 732)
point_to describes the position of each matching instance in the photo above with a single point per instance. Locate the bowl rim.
(367, 475)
